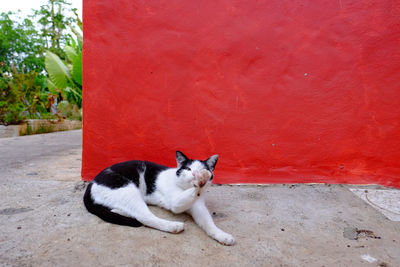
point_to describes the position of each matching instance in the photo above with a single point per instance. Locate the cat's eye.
(187, 168)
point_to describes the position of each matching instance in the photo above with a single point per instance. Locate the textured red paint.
(283, 91)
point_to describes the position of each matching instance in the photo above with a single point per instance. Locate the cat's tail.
(105, 213)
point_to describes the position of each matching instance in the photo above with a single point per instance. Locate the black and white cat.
(120, 194)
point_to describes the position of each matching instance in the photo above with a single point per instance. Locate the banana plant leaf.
(77, 69)
(58, 72)
(79, 37)
(74, 95)
(51, 86)
(53, 89)
(70, 52)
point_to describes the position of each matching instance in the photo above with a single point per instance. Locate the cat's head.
(191, 171)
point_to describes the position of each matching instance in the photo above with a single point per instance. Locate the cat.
(119, 194)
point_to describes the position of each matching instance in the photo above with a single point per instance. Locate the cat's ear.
(212, 161)
(180, 158)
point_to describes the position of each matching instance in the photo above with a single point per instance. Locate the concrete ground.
(44, 223)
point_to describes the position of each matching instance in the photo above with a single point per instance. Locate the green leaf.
(74, 91)
(74, 95)
(51, 86)
(58, 72)
(77, 69)
(78, 35)
(70, 52)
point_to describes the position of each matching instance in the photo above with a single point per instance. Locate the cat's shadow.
(167, 215)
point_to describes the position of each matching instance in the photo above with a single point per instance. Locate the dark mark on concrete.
(217, 215)
(80, 186)
(59, 201)
(367, 233)
(353, 233)
(350, 233)
(12, 211)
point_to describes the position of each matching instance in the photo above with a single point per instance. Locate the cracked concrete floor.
(43, 221)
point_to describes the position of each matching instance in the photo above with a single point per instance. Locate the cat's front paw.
(176, 227)
(197, 187)
(201, 178)
(224, 238)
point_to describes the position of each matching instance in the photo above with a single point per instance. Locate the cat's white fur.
(177, 195)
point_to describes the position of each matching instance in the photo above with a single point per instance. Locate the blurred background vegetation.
(41, 64)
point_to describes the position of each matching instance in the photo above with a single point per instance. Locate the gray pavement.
(43, 221)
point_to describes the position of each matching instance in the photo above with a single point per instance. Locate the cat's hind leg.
(106, 213)
(129, 201)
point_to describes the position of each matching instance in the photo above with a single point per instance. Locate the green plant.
(20, 45)
(22, 84)
(28, 129)
(69, 110)
(10, 114)
(66, 76)
(25, 91)
(21, 96)
(51, 16)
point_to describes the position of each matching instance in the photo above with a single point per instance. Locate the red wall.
(283, 91)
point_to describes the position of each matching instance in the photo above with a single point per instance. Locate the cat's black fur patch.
(185, 164)
(120, 174)
(150, 176)
(112, 179)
